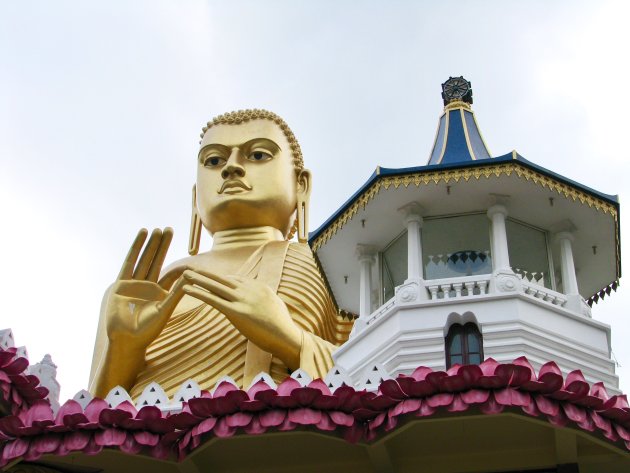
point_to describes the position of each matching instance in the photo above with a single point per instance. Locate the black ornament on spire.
(457, 89)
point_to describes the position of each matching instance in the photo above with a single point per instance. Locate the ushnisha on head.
(250, 173)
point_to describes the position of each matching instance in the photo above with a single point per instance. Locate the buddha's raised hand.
(137, 307)
(252, 307)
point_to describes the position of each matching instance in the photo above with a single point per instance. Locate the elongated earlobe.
(303, 198)
(195, 226)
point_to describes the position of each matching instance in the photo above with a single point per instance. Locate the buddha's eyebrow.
(262, 142)
(247, 145)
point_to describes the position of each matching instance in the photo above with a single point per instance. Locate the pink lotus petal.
(204, 426)
(46, 443)
(558, 420)
(458, 404)
(130, 446)
(255, 427)
(531, 409)
(17, 366)
(574, 413)
(110, 437)
(488, 366)
(470, 374)
(325, 423)
(392, 389)
(238, 419)
(94, 408)
(439, 400)
(286, 387)
(320, 386)
(272, 418)
(475, 396)
(622, 432)
(420, 373)
(341, 418)
(599, 390)
(377, 421)
(184, 420)
(259, 386)
(576, 383)
(15, 449)
(547, 406)
(38, 412)
(162, 452)
(77, 440)
(491, 406)
(353, 434)
(146, 438)
(425, 410)
(222, 429)
(11, 426)
(223, 389)
(305, 416)
(92, 448)
(287, 425)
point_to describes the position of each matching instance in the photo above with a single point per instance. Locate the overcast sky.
(101, 104)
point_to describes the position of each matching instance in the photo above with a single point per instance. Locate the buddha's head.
(250, 173)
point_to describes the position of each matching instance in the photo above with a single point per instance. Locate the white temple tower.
(472, 256)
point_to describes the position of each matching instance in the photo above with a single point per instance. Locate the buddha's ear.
(304, 184)
(303, 197)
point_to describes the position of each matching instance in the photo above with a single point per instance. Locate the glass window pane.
(456, 345)
(473, 343)
(394, 266)
(528, 253)
(456, 246)
(456, 359)
(474, 359)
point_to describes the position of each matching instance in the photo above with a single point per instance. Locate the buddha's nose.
(233, 167)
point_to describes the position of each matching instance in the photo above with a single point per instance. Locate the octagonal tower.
(470, 257)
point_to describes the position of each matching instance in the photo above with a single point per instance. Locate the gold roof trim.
(458, 104)
(446, 175)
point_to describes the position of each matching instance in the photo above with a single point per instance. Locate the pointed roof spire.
(458, 138)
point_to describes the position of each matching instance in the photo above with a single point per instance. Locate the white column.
(365, 255)
(567, 266)
(412, 214)
(500, 255)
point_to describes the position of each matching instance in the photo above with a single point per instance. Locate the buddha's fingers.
(148, 254)
(167, 306)
(212, 285)
(160, 255)
(228, 282)
(130, 261)
(213, 300)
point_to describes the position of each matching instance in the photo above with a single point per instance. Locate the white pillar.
(412, 214)
(567, 266)
(365, 255)
(500, 255)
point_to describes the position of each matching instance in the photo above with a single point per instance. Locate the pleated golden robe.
(201, 343)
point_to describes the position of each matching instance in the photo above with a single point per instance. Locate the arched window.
(464, 345)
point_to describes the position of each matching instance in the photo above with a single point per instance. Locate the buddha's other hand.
(253, 308)
(137, 306)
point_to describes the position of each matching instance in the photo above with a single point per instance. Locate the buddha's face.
(246, 177)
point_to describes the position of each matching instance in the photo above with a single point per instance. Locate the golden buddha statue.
(254, 302)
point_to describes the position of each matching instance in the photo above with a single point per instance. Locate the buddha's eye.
(213, 161)
(259, 156)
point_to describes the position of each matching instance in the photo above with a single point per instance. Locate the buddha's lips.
(233, 183)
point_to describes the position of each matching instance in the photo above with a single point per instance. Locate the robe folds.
(200, 343)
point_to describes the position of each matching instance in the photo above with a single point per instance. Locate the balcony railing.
(453, 288)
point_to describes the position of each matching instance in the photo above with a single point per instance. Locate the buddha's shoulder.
(300, 249)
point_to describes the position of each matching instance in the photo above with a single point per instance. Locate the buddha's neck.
(244, 237)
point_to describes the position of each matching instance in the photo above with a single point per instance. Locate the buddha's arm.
(134, 311)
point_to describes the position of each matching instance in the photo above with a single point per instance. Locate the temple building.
(470, 280)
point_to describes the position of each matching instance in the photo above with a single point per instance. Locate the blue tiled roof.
(510, 157)
(458, 138)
